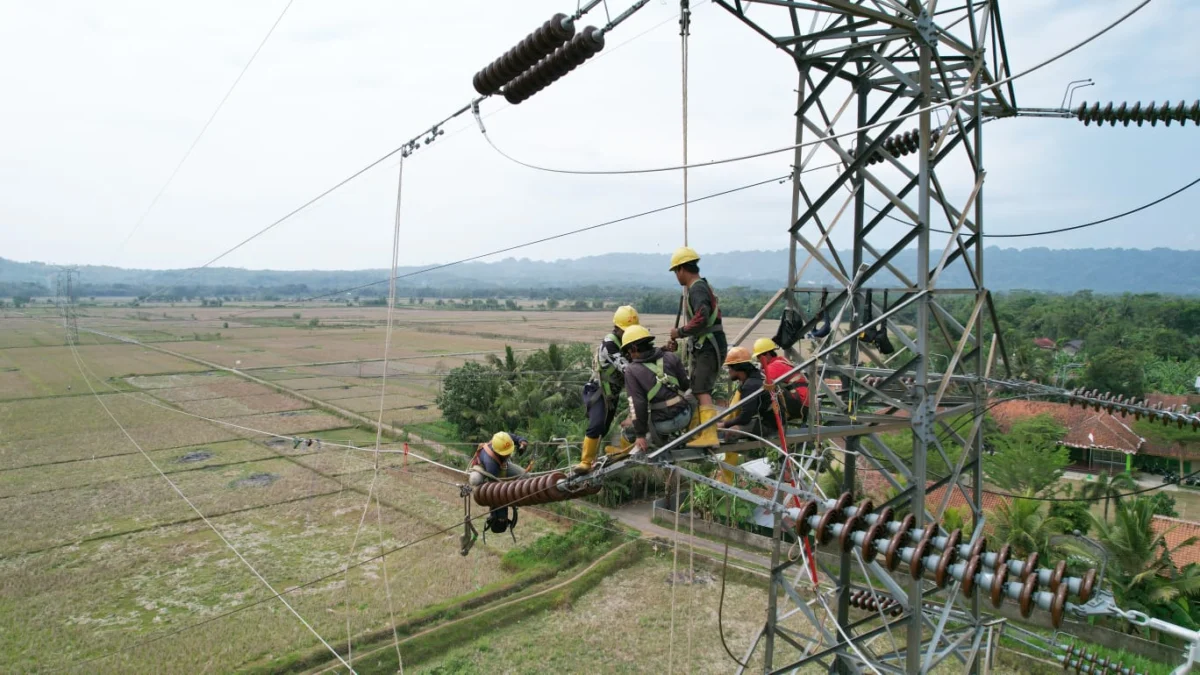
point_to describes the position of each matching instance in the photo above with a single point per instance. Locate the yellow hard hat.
(764, 345)
(683, 254)
(502, 444)
(737, 355)
(633, 334)
(625, 316)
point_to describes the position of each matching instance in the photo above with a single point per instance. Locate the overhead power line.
(852, 132)
(542, 240)
(207, 124)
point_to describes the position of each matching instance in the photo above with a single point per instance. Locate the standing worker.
(491, 460)
(601, 392)
(655, 380)
(705, 334)
(794, 388)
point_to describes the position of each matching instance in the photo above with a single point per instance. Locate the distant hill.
(1101, 270)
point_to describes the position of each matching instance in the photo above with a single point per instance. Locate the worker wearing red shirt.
(794, 388)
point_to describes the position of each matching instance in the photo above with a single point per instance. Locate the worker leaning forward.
(705, 334)
(757, 415)
(794, 388)
(492, 460)
(600, 394)
(655, 381)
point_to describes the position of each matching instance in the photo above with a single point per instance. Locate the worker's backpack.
(498, 520)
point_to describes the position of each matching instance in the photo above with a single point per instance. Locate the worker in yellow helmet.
(655, 381)
(705, 335)
(492, 459)
(600, 394)
(794, 388)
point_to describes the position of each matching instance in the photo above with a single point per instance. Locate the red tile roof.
(1085, 428)
(1177, 531)
(1044, 343)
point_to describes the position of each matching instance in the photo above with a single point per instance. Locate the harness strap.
(661, 379)
(699, 340)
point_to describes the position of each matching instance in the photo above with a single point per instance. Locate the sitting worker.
(705, 335)
(655, 381)
(601, 392)
(775, 367)
(755, 416)
(492, 460)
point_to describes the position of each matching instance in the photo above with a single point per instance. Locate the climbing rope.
(674, 577)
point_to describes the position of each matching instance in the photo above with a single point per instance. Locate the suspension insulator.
(552, 68)
(528, 491)
(1152, 113)
(538, 44)
(900, 145)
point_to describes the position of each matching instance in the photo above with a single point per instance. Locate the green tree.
(467, 400)
(1028, 457)
(1117, 370)
(1025, 525)
(1075, 513)
(1110, 488)
(1163, 505)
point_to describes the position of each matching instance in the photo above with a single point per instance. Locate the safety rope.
(674, 578)
(685, 24)
(387, 343)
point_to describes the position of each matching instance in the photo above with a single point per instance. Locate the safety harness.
(700, 340)
(662, 379)
(477, 463)
(606, 372)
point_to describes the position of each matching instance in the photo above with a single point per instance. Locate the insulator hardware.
(586, 44)
(1082, 661)
(874, 602)
(1120, 405)
(925, 551)
(537, 45)
(901, 145)
(528, 491)
(1166, 113)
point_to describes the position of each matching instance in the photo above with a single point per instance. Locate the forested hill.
(1100, 270)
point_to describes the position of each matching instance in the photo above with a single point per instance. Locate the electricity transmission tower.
(65, 287)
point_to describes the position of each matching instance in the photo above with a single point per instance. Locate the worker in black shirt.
(705, 335)
(655, 380)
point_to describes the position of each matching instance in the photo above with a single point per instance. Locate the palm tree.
(1140, 566)
(1109, 488)
(1026, 526)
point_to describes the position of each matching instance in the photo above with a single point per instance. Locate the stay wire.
(740, 158)
(204, 129)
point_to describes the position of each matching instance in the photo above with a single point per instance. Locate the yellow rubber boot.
(591, 446)
(725, 475)
(707, 438)
(614, 450)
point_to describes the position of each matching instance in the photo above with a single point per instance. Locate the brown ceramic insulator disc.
(884, 515)
(808, 510)
(843, 501)
(968, 580)
(825, 527)
(892, 556)
(1030, 566)
(1067, 656)
(846, 539)
(1002, 556)
(997, 589)
(865, 507)
(1085, 589)
(1056, 577)
(978, 548)
(1058, 605)
(874, 532)
(1027, 595)
(916, 564)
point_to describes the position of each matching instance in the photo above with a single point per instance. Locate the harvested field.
(51, 371)
(244, 405)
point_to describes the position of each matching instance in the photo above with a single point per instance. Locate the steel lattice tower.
(860, 62)
(65, 287)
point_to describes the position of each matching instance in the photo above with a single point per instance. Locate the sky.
(102, 99)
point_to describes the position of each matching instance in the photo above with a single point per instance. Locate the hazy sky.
(102, 99)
